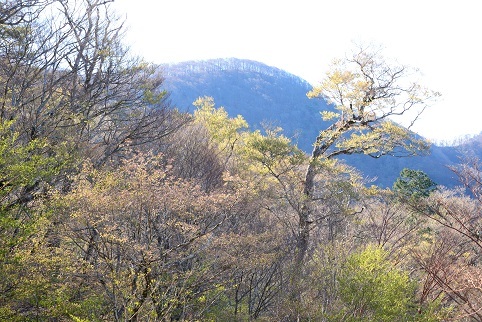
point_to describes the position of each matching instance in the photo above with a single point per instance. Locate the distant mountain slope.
(261, 94)
(264, 94)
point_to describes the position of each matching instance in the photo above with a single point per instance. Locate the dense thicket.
(116, 207)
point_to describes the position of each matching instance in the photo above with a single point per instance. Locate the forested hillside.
(116, 206)
(267, 95)
(263, 95)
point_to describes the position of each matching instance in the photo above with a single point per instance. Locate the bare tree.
(16, 12)
(452, 258)
(69, 78)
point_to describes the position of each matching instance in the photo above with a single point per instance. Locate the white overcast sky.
(442, 38)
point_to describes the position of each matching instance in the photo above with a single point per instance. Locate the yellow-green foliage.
(372, 288)
(273, 151)
(341, 80)
(379, 139)
(370, 93)
(267, 157)
(225, 131)
(31, 273)
(329, 115)
(23, 164)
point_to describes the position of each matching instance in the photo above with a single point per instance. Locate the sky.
(442, 38)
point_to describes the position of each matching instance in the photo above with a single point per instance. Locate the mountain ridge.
(227, 64)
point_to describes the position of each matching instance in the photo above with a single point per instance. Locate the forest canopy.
(116, 206)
